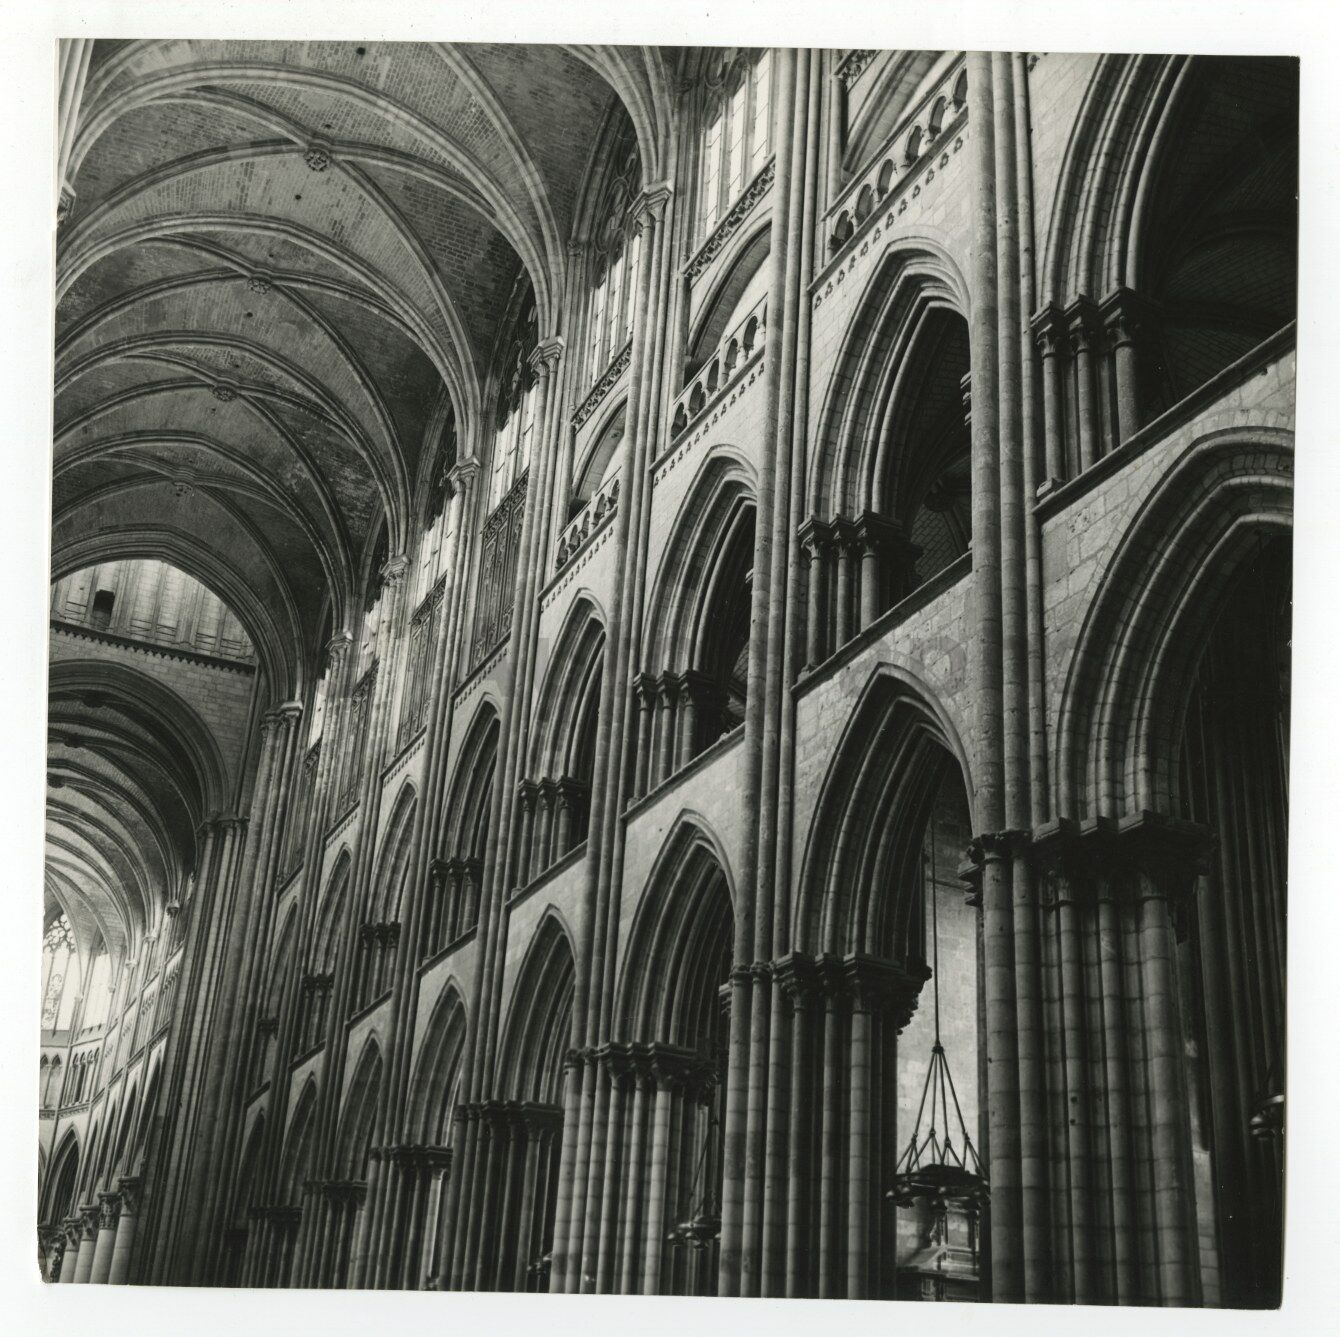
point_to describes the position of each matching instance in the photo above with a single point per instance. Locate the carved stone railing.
(732, 221)
(498, 548)
(585, 523)
(734, 353)
(905, 154)
(854, 64)
(609, 378)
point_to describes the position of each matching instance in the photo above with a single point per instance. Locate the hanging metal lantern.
(704, 1226)
(940, 1167)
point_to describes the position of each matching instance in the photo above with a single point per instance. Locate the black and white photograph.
(667, 671)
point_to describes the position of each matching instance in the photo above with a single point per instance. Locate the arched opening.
(671, 1087)
(556, 801)
(890, 477)
(740, 293)
(343, 1217)
(413, 1257)
(1215, 253)
(273, 1258)
(599, 466)
(458, 877)
(61, 1183)
(525, 1129)
(243, 1200)
(925, 481)
(1180, 766)
(697, 649)
(881, 907)
(379, 935)
(319, 982)
(282, 965)
(1235, 780)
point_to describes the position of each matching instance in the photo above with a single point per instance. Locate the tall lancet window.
(515, 421)
(736, 138)
(615, 247)
(60, 975)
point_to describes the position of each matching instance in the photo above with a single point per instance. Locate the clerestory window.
(737, 131)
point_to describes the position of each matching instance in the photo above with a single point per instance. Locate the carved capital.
(1084, 326)
(394, 569)
(132, 1194)
(649, 207)
(1125, 316)
(337, 648)
(544, 357)
(1049, 331)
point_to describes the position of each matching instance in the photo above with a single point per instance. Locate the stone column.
(644, 687)
(1085, 338)
(1123, 323)
(73, 1230)
(527, 794)
(847, 559)
(1049, 332)
(814, 544)
(109, 1207)
(665, 739)
(88, 1240)
(131, 1198)
(544, 827)
(795, 976)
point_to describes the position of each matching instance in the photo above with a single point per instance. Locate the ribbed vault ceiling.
(284, 263)
(284, 272)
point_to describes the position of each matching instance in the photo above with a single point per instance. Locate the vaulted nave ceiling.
(282, 273)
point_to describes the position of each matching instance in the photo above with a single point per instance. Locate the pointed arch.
(730, 290)
(1176, 211)
(680, 945)
(470, 804)
(359, 1115)
(299, 1146)
(459, 874)
(860, 882)
(331, 919)
(718, 507)
(388, 901)
(1129, 679)
(916, 279)
(676, 973)
(537, 1030)
(61, 1181)
(438, 1070)
(569, 693)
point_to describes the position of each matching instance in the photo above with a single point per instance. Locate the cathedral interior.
(669, 671)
